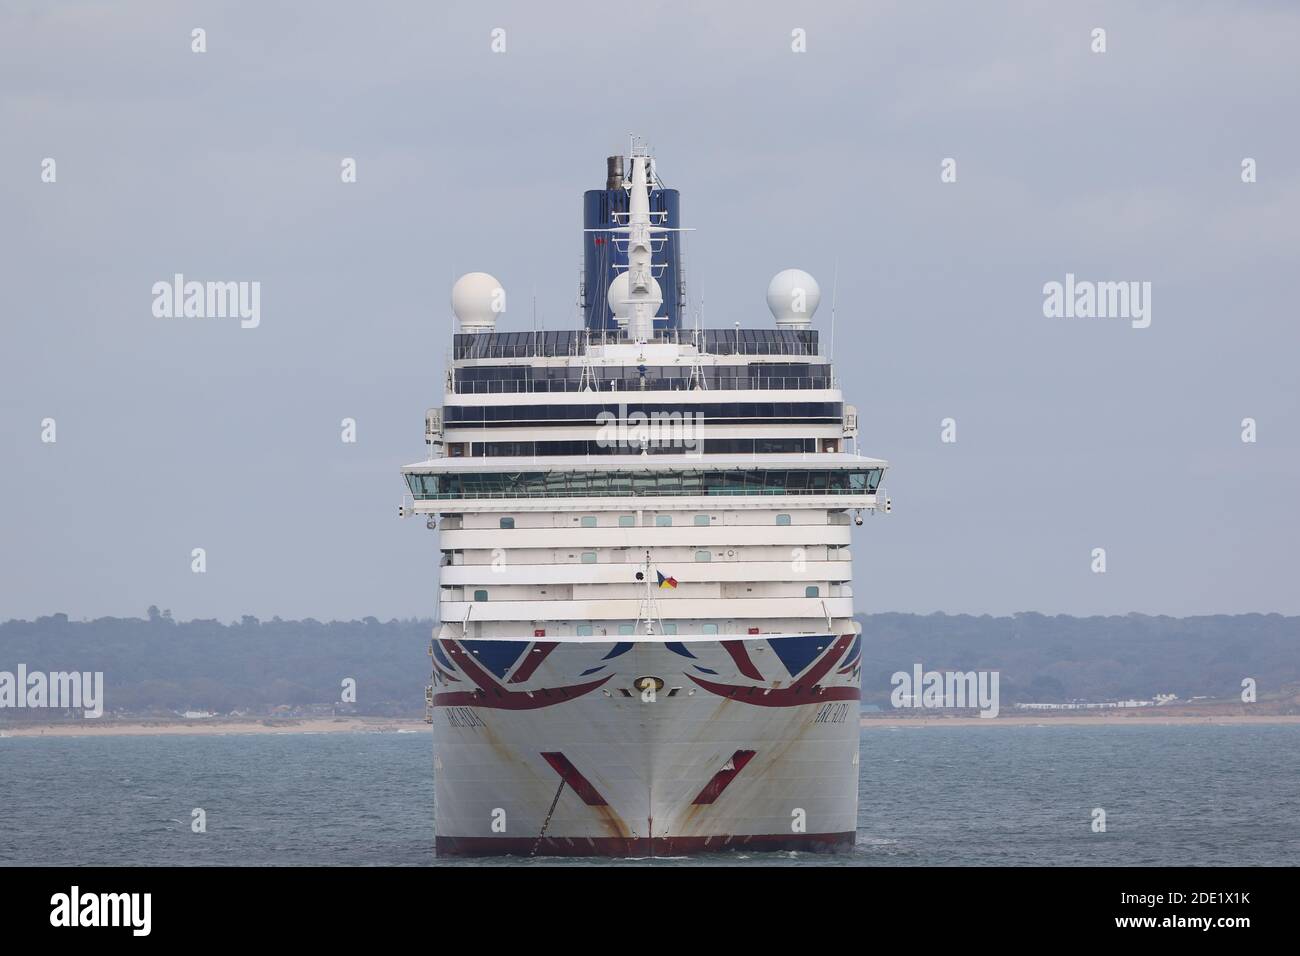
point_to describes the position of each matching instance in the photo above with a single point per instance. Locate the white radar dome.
(793, 296)
(617, 296)
(476, 300)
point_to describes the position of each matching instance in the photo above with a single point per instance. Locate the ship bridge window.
(782, 519)
(714, 413)
(644, 483)
(507, 522)
(712, 446)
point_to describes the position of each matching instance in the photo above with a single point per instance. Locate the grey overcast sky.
(1072, 434)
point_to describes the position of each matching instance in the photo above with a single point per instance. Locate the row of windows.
(560, 484)
(710, 446)
(589, 557)
(773, 341)
(634, 373)
(811, 591)
(719, 382)
(574, 341)
(629, 521)
(511, 379)
(556, 414)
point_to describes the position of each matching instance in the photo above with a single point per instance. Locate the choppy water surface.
(1198, 795)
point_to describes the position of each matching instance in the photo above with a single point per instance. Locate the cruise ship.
(646, 643)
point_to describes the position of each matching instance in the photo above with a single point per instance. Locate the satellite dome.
(476, 300)
(618, 293)
(793, 296)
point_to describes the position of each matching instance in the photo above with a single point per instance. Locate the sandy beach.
(116, 728)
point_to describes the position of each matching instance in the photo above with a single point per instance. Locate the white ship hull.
(648, 643)
(550, 749)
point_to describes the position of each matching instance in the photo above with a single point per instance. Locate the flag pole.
(649, 598)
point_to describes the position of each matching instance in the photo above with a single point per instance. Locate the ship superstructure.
(646, 641)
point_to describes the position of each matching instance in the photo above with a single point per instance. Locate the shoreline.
(99, 727)
(381, 725)
(1076, 720)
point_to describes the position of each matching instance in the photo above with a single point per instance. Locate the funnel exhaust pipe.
(614, 172)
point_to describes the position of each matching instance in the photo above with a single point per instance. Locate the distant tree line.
(156, 664)
(1053, 659)
(161, 665)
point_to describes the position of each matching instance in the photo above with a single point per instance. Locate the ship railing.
(723, 344)
(623, 386)
(652, 493)
(542, 351)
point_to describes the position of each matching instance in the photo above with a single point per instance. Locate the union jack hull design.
(645, 748)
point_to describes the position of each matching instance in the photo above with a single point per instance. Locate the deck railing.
(624, 386)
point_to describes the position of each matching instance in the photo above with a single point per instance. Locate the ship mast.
(643, 295)
(638, 296)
